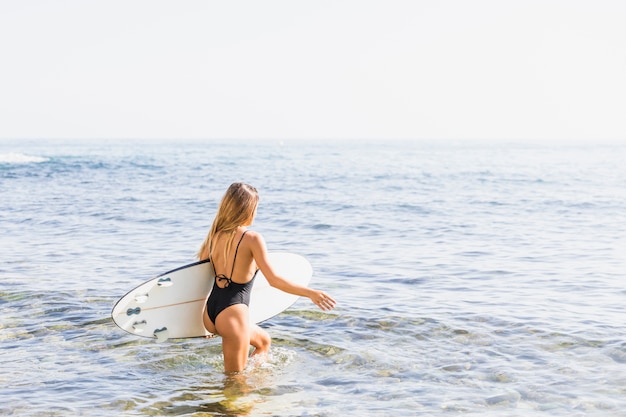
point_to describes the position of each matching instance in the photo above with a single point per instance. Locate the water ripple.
(470, 279)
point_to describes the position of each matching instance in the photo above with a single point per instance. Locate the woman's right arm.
(259, 252)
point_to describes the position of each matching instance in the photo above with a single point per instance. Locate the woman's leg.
(260, 340)
(234, 327)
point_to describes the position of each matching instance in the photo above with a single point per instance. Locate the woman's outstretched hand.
(323, 300)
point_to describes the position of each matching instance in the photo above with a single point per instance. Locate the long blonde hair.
(236, 209)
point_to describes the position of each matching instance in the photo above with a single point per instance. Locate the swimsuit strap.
(222, 277)
(237, 250)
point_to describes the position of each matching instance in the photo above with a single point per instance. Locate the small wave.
(20, 158)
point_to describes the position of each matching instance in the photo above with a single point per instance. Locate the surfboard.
(170, 306)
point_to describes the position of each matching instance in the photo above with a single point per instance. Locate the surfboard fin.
(161, 334)
(139, 326)
(165, 282)
(141, 298)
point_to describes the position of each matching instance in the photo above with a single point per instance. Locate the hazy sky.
(313, 69)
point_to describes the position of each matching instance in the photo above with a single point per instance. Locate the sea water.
(472, 278)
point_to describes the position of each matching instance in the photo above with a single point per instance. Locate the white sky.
(541, 69)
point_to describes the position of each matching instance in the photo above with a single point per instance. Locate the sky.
(389, 69)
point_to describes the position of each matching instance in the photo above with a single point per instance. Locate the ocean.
(473, 278)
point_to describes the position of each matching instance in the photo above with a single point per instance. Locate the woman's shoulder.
(254, 238)
(252, 235)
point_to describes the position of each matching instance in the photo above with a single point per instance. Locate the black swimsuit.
(232, 293)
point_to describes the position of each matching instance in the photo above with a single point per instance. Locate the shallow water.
(473, 278)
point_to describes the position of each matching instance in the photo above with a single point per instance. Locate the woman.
(237, 254)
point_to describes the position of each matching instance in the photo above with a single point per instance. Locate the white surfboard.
(170, 306)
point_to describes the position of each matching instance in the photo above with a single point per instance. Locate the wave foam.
(20, 158)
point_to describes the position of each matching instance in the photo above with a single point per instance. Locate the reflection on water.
(232, 397)
(212, 393)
